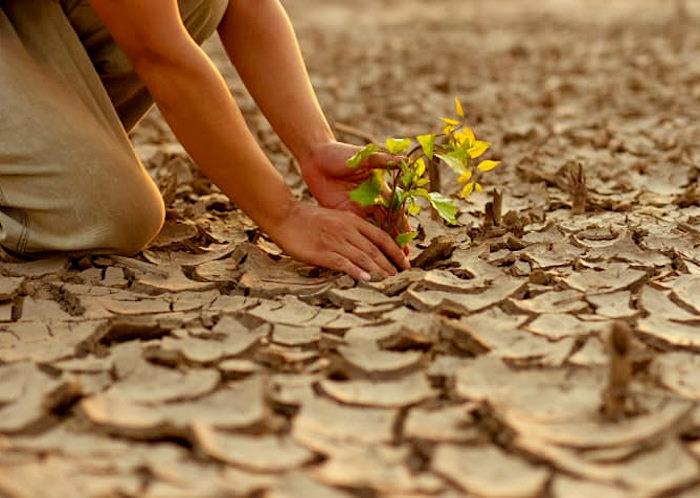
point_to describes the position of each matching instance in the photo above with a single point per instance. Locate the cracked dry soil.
(213, 365)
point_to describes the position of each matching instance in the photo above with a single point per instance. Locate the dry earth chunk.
(288, 335)
(258, 453)
(614, 305)
(50, 349)
(325, 426)
(205, 351)
(378, 467)
(9, 286)
(291, 311)
(625, 249)
(569, 301)
(350, 298)
(298, 484)
(687, 289)
(449, 424)
(552, 255)
(150, 384)
(669, 334)
(408, 390)
(366, 356)
(591, 354)
(265, 277)
(617, 277)
(236, 406)
(38, 268)
(29, 407)
(489, 471)
(431, 300)
(67, 478)
(563, 486)
(680, 372)
(657, 303)
(557, 326)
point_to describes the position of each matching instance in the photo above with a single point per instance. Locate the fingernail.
(406, 263)
(364, 276)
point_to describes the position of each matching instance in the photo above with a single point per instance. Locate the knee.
(119, 211)
(132, 223)
(202, 17)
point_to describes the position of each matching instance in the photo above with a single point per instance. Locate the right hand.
(330, 180)
(338, 240)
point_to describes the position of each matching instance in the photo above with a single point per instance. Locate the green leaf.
(362, 155)
(427, 143)
(398, 198)
(420, 192)
(404, 239)
(453, 162)
(398, 145)
(369, 193)
(444, 206)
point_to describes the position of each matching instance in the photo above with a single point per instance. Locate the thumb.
(381, 160)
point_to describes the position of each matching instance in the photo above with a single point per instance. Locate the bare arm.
(198, 106)
(261, 44)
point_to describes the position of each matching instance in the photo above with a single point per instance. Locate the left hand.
(330, 180)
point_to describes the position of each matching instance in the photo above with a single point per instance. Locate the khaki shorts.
(70, 180)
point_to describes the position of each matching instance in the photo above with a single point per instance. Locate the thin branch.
(355, 132)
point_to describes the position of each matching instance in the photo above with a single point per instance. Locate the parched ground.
(536, 352)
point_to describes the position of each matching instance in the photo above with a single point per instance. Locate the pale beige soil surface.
(212, 365)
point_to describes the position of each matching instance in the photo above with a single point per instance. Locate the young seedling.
(398, 189)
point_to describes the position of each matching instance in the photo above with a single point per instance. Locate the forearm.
(198, 106)
(261, 44)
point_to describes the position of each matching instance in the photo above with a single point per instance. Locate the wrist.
(312, 148)
(286, 224)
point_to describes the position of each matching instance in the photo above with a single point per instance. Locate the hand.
(338, 240)
(330, 180)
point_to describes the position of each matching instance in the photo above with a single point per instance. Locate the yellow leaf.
(467, 190)
(488, 165)
(478, 148)
(460, 138)
(459, 108)
(420, 166)
(478, 187)
(448, 129)
(470, 134)
(450, 121)
(465, 177)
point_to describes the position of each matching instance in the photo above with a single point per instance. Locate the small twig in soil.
(493, 210)
(620, 372)
(355, 132)
(577, 187)
(441, 247)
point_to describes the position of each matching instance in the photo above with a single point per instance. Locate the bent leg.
(126, 91)
(69, 178)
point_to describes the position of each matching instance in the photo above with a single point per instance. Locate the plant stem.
(395, 183)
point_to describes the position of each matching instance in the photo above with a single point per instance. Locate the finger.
(338, 262)
(372, 253)
(381, 160)
(388, 246)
